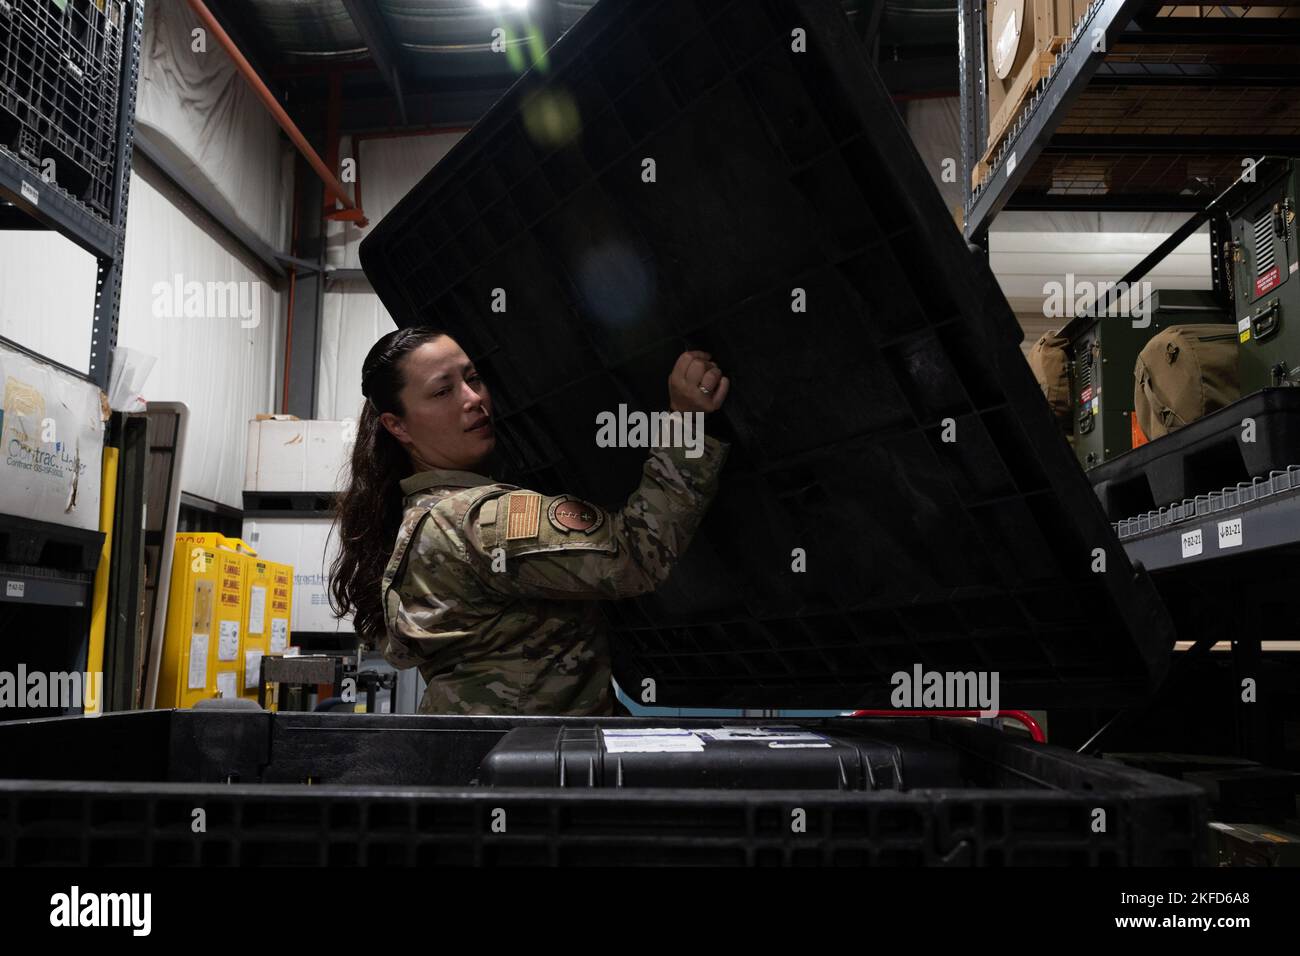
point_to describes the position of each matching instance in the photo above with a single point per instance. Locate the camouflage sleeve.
(530, 545)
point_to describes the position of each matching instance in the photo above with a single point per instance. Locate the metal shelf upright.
(52, 206)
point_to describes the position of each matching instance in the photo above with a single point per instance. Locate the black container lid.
(892, 430)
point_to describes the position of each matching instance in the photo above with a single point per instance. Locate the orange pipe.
(331, 182)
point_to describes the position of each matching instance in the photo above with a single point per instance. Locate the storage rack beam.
(242, 234)
(1144, 26)
(369, 21)
(1272, 522)
(1077, 64)
(1123, 202)
(1174, 145)
(53, 208)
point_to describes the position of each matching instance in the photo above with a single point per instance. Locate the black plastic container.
(1246, 440)
(774, 757)
(122, 789)
(891, 431)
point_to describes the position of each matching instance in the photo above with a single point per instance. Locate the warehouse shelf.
(80, 133)
(1253, 516)
(55, 208)
(30, 585)
(1158, 117)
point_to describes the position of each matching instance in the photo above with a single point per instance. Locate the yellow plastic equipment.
(203, 646)
(266, 617)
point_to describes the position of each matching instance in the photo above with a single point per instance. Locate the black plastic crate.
(122, 788)
(1212, 454)
(776, 170)
(60, 77)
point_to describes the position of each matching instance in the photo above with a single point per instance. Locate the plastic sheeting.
(353, 315)
(197, 108)
(223, 363)
(47, 295)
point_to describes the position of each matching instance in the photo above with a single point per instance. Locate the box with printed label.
(52, 430)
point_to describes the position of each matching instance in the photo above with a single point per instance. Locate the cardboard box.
(52, 437)
(285, 454)
(307, 545)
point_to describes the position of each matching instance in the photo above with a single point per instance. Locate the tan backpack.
(1051, 367)
(1182, 374)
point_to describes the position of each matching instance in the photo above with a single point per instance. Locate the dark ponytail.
(368, 514)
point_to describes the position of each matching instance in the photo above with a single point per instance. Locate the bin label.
(15, 589)
(1230, 533)
(228, 641)
(279, 635)
(1191, 543)
(252, 669)
(30, 193)
(198, 677)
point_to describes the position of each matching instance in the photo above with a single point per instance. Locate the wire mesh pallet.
(60, 73)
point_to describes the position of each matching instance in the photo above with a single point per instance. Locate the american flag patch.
(523, 516)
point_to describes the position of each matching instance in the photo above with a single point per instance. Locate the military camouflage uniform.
(491, 590)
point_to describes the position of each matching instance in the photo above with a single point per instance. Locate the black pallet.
(60, 76)
(1206, 456)
(121, 789)
(25, 541)
(288, 504)
(776, 170)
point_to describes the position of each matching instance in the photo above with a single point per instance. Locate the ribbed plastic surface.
(60, 73)
(395, 790)
(892, 430)
(1223, 458)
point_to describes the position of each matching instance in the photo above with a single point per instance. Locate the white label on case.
(1191, 543)
(257, 610)
(198, 678)
(279, 635)
(29, 193)
(252, 668)
(1243, 325)
(228, 641)
(15, 589)
(1230, 533)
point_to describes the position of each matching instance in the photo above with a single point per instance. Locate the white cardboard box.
(297, 455)
(308, 545)
(52, 435)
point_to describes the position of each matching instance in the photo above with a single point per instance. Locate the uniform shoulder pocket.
(526, 522)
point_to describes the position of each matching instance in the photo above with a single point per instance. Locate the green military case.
(1103, 351)
(1262, 271)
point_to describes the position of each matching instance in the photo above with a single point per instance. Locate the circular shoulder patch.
(573, 514)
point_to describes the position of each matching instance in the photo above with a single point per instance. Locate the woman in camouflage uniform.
(487, 588)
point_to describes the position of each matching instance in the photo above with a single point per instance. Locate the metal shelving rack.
(48, 205)
(54, 208)
(1156, 118)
